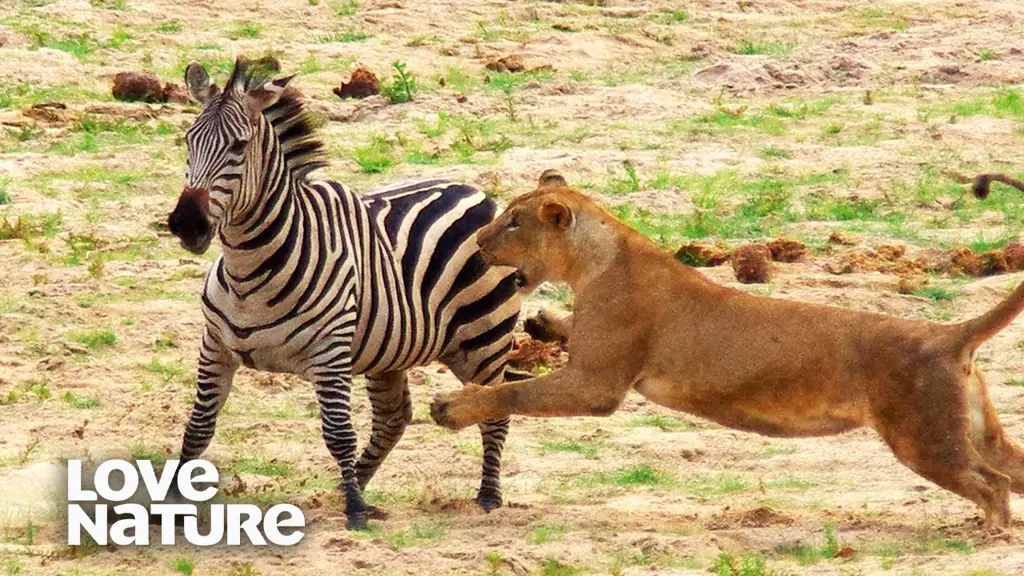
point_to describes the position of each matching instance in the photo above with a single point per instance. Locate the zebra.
(318, 281)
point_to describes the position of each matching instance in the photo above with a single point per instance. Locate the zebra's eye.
(238, 147)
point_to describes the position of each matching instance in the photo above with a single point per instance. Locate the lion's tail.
(972, 333)
(983, 183)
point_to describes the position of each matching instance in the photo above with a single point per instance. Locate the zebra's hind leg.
(333, 384)
(216, 372)
(392, 411)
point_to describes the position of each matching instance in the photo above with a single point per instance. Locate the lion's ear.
(556, 214)
(551, 178)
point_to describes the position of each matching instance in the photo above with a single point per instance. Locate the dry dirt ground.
(701, 119)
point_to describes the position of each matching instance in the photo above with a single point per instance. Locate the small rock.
(75, 348)
(752, 263)
(50, 363)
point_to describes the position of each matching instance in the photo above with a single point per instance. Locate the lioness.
(644, 321)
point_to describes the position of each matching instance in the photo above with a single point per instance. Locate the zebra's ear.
(199, 85)
(262, 97)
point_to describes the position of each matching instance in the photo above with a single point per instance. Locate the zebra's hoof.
(357, 521)
(489, 502)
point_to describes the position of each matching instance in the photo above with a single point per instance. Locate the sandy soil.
(879, 101)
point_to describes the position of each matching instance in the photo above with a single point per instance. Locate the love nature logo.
(115, 491)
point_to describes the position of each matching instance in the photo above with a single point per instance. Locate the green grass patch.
(643, 475)
(402, 85)
(660, 421)
(415, 535)
(748, 47)
(170, 27)
(937, 293)
(168, 371)
(719, 485)
(553, 567)
(140, 451)
(245, 30)
(81, 403)
(262, 467)
(345, 8)
(788, 483)
(775, 152)
(94, 339)
(183, 566)
(746, 565)
(585, 448)
(806, 554)
(546, 533)
(343, 36)
(375, 158)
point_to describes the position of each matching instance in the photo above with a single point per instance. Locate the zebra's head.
(218, 147)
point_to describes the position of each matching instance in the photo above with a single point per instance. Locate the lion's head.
(535, 233)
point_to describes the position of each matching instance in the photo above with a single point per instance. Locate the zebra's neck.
(262, 227)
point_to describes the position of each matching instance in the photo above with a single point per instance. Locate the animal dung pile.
(843, 239)
(701, 255)
(362, 84)
(513, 64)
(1014, 256)
(786, 250)
(752, 263)
(145, 87)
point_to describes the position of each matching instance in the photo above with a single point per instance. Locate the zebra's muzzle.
(190, 222)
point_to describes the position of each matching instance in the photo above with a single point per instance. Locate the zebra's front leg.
(392, 412)
(333, 385)
(493, 435)
(216, 372)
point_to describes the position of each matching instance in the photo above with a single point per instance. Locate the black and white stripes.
(318, 281)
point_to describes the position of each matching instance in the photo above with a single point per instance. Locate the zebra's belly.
(270, 359)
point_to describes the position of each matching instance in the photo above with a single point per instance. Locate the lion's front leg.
(567, 392)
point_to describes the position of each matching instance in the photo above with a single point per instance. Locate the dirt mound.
(885, 258)
(759, 517)
(533, 355)
(362, 84)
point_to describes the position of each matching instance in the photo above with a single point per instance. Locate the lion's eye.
(238, 147)
(512, 224)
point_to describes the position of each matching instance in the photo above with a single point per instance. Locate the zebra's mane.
(303, 151)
